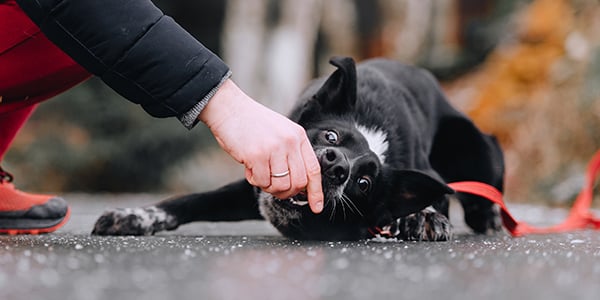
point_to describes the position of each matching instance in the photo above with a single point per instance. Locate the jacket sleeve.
(137, 50)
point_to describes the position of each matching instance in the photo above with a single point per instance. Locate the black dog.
(387, 141)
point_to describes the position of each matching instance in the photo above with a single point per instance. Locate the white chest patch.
(377, 140)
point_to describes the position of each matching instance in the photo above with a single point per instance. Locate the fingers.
(260, 174)
(287, 175)
(314, 189)
(283, 147)
(280, 176)
(274, 175)
(294, 182)
(298, 175)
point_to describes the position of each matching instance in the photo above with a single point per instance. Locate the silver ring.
(282, 174)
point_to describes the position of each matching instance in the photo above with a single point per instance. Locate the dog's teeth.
(297, 202)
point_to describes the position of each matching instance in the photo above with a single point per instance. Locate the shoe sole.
(47, 226)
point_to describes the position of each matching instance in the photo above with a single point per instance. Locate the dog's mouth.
(298, 200)
(301, 199)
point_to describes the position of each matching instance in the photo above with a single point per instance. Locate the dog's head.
(361, 190)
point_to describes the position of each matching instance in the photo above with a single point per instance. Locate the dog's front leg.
(233, 202)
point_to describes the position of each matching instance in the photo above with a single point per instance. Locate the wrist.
(223, 104)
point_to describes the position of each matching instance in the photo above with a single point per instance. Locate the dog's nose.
(335, 166)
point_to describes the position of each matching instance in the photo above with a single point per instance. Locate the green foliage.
(91, 139)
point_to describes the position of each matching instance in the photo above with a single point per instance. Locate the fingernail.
(319, 206)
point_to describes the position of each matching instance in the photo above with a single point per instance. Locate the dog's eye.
(364, 184)
(331, 137)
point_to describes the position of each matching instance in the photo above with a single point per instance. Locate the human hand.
(266, 143)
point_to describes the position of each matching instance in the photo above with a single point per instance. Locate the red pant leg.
(10, 123)
(32, 69)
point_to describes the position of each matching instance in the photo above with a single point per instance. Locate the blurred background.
(526, 71)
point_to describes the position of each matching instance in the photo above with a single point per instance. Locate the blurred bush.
(537, 92)
(88, 139)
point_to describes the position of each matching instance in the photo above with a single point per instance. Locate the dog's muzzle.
(335, 167)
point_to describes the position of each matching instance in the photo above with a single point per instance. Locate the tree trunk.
(271, 62)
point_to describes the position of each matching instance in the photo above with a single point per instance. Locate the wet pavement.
(250, 260)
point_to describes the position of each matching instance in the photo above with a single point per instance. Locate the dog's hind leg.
(461, 152)
(233, 202)
(480, 214)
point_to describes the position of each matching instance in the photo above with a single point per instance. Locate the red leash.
(580, 216)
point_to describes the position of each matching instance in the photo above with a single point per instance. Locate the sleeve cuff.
(189, 119)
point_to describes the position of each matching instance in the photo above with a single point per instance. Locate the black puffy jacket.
(136, 49)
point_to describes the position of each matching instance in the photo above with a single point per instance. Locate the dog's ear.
(338, 93)
(410, 191)
(335, 95)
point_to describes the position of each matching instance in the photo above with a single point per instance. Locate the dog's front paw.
(134, 221)
(423, 226)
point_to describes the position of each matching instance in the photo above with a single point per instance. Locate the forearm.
(134, 48)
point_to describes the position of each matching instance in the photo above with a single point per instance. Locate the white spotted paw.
(422, 226)
(134, 221)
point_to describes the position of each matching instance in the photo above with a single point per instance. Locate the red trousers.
(32, 69)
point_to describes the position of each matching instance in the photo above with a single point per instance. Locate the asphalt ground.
(250, 260)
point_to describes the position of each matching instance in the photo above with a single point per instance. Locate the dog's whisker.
(351, 204)
(344, 199)
(334, 204)
(343, 203)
